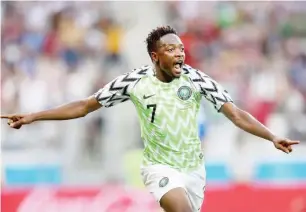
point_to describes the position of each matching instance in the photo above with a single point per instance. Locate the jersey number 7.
(153, 112)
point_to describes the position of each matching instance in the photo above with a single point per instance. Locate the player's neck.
(162, 76)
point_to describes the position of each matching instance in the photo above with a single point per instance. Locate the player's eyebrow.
(171, 44)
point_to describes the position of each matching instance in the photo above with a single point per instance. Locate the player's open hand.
(16, 121)
(284, 144)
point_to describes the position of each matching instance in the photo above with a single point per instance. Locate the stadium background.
(56, 52)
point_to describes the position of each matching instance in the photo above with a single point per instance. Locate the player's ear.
(154, 57)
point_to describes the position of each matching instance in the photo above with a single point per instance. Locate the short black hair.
(155, 35)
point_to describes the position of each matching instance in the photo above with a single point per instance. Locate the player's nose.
(179, 53)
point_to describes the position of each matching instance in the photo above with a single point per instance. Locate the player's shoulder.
(138, 73)
(192, 73)
(135, 74)
(132, 78)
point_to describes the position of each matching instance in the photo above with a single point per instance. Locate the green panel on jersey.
(167, 112)
(168, 120)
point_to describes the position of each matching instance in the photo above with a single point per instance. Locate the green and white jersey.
(167, 112)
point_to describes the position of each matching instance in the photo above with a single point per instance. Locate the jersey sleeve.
(119, 89)
(210, 89)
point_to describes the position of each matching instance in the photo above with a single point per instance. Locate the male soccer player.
(167, 98)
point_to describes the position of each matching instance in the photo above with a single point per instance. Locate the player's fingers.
(16, 124)
(16, 118)
(9, 121)
(283, 148)
(12, 120)
(293, 142)
(6, 116)
(289, 148)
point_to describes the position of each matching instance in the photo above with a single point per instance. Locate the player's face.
(170, 55)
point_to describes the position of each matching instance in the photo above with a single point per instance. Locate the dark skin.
(167, 57)
(169, 51)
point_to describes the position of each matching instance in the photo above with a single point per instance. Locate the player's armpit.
(116, 91)
(92, 104)
(209, 88)
(240, 118)
(230, 111)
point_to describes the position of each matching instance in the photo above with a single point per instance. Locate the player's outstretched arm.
(115, 92)
(71, 110)
(248, 123)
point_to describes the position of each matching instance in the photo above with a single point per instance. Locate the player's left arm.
(222, 102)
(248, 123)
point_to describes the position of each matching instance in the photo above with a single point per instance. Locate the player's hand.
(16, 121)
(284, 144)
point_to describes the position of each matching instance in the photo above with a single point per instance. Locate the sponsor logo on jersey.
(147, 97)
(184, 92)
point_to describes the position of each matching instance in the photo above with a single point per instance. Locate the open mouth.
(178, 65)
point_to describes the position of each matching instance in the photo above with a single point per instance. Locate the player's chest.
(178, 97)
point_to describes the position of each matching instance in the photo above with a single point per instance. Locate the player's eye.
(171, 50)
(182, 49)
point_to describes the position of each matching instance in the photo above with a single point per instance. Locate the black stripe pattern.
(117, 91)
(208, 87)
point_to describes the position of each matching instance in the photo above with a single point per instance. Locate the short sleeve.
(210, 89)
(118, 90)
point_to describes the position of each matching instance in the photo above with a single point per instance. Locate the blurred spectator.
(113, 42)
(298, 73)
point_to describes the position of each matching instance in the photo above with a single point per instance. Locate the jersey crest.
(184, 92)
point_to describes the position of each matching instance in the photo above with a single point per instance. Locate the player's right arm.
(73, 110)
(116, 91)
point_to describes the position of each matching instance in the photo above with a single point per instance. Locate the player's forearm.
(248, 123)
(68, 111)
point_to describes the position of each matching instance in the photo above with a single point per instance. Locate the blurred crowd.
(55, 52)
(52, 42)
(256, 50)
